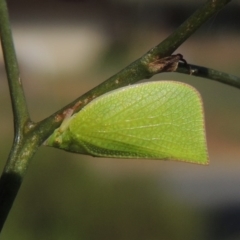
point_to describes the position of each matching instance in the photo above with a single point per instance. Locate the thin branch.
(19, 105)
(184, 31)
(155, 61)
(141, 68)
(212, 74)
(24, 146)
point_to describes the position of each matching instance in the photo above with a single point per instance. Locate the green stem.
(184, 31)
(22, 148)
(19, 106)
(29, 136)
(140, 69)
(13, 174)
(212, 74)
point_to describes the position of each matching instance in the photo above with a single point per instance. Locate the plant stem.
(29, 136)
(14, 171)
(24, 146)
(209, 73)
(140, 69)
(184, 31)
(19, 106)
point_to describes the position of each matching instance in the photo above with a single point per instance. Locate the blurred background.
(64, 49)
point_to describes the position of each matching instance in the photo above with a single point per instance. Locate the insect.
(155, 120)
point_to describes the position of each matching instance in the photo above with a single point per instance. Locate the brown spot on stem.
(167, 64)
(58, 117)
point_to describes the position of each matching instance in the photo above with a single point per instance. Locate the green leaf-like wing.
(156, 120)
